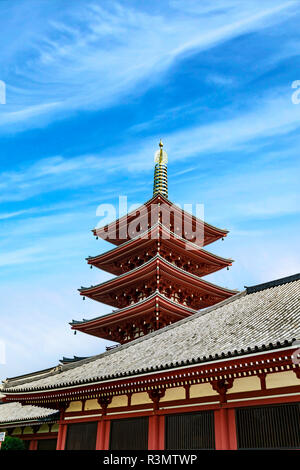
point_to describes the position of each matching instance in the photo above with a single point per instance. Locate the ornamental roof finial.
(160, 172)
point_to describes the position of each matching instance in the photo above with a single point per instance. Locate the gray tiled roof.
(245, 320)
(15, 412)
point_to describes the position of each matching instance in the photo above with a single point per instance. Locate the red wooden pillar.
(102, 440)
(156, 432)
(61, 437)
(62, 429)
(232, 429)
(225, 430)
(100, 435)
(33, 444)
(106, 434)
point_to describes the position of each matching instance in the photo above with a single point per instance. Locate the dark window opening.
(129, 434)
(81, 436)
(190, 431)
(46, 444)
(268, 427)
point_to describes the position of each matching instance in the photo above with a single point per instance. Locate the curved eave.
(202, 283)
(136, 308)
(146, 238)
(126, 219)
(149, 267)
(119, 280)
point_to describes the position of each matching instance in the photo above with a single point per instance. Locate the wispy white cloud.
(25, 114)
(254, 17)
(20, 256)
(10, 215)
(90, 55)
(51, 174)
(268, 118)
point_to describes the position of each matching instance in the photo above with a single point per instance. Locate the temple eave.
(145, 273)
(144, 321)
(146, 306)
(133, 253)
(117, 231)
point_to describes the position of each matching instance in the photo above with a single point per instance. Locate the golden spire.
(161, 151)
(160, 172)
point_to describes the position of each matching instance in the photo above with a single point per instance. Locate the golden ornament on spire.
(160, 172)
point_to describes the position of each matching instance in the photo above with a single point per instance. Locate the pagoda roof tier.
(140, 318)
(174, 248)
(147, 215)
(160, 274)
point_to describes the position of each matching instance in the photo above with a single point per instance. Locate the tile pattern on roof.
(15, 412)
(268, 316)
(277, 282)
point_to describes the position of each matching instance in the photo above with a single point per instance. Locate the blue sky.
(90, 88)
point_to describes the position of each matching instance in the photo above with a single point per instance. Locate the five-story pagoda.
(158, 261)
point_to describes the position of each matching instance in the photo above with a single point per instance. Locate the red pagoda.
(159, 262)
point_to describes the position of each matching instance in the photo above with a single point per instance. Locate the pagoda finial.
(160, 171)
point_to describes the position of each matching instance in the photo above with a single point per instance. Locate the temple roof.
(95, 326)
(16, 413)
(244, 324)
(130, 247)
(153, 296)
(211, 233)
(98, 292)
